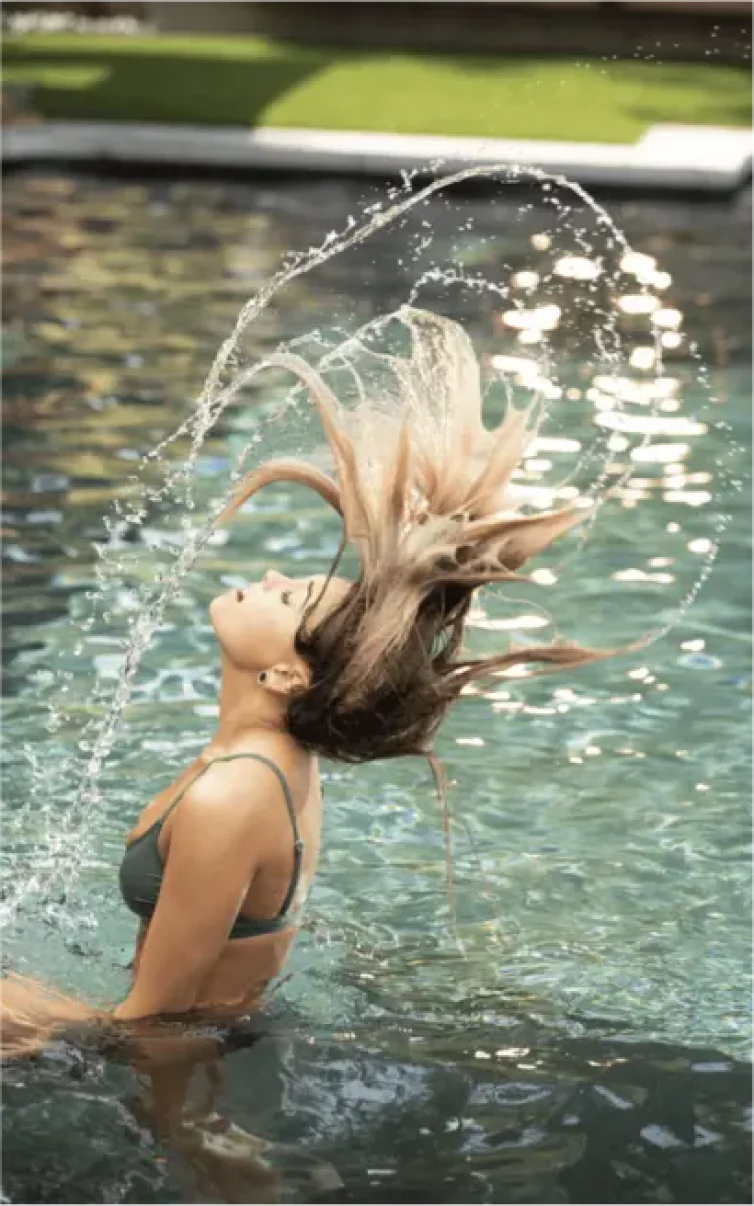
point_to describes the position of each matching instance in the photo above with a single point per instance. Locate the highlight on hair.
(424, 492)
(33, 1014)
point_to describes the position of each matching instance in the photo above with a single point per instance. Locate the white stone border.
(694, 158)
(41, 21)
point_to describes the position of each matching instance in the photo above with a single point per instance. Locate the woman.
(220, 863)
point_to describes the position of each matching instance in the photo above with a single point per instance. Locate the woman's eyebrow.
(308, 595)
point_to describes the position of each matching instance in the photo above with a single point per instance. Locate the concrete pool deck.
(707, 159)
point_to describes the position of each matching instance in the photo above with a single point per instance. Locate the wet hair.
(423, 489)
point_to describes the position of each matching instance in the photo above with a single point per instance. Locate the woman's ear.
(286, 678)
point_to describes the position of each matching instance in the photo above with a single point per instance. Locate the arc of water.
(213, 400)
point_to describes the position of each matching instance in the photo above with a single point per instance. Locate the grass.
(253, 81)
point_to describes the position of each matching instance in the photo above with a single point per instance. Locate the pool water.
(587, 1039)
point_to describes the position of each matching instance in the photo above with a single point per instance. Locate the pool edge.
(708, 159)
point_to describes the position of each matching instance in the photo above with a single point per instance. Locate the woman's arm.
(218, 834)
(216, 840)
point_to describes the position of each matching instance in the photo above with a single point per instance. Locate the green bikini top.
(141, 870)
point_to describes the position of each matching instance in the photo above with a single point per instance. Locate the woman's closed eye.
(286, 597)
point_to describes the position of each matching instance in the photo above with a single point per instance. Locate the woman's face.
(256, 626)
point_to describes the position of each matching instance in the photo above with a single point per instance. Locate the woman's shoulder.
(249, 778)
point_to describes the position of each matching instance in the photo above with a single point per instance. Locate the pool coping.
(708, 159)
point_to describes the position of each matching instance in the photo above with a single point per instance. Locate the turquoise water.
(602, 837)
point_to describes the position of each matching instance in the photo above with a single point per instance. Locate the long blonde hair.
(424, 492)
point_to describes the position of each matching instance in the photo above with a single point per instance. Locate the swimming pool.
(587, 1042)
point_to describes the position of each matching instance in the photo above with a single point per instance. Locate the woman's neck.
(246, 707)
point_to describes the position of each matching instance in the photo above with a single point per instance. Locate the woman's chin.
(216, 607)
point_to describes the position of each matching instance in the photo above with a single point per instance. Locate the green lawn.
(252, 81)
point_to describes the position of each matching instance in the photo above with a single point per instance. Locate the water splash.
(66, 845)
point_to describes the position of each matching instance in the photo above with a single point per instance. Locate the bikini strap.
(298, 845)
